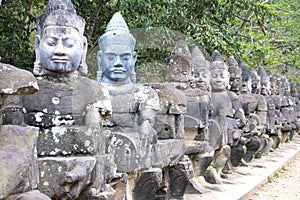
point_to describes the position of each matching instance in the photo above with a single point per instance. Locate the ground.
(284, 184)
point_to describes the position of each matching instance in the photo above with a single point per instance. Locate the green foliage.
(264, 32)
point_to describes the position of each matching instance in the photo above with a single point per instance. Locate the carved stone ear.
(83, 68)
(37, 68)
(100, 71)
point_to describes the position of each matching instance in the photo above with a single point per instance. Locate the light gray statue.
(134, 110)
(221, 109)
(68, 110)
(116, 58)
(272, 128)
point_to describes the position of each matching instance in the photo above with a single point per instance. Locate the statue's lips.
(60, 60)
(119, 71)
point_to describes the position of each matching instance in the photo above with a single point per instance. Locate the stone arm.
(147, 115)
(239, 112)
(148, 105)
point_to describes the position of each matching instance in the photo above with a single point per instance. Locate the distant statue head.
(235, 73)
(60, 45)
(255, 81)
(116, 58)
(264, 81)
(274, 88)
(201, 73)
(179, 64)
(246, 79)
(219, 73)
(286, 86)
(294, 91)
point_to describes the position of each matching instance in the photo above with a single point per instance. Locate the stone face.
(179, 64)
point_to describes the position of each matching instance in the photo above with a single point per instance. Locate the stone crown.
(60, 13)
(117, 32)
(217, 61)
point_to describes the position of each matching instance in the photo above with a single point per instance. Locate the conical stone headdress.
(217, 61)
(245, 71)
(263, 74)
(233, 66)
(199, 62)
(117, 32)
(60, 13)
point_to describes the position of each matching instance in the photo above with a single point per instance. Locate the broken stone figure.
(18, 159)
(68, 109)
(255, 108)
(272, 129)
(245, 141)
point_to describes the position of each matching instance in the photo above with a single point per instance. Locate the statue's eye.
(110, 57)
(69, 43)
(126, 57)
(51, 42)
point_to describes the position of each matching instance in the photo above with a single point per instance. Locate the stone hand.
(73, 183)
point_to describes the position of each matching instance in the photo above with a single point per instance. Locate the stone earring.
(37, 69)
(133, 77)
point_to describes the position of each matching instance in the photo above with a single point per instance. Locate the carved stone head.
(274, 89)
(294, 91)
(60, 45)
(179, 64)
(246, 79)
(255, 81)
(116, 58)
(264, 81)
(201, 73)
(219, 73)
(235, 72)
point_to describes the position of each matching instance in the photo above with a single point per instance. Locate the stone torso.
(63, 102)
(128, 100)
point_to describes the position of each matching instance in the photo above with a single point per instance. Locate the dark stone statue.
(71, 145)
(246, 137)
(255, 108)
(271, 127)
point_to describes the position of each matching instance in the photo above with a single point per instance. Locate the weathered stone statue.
(18, 159)
(255, 79)
(68, 110)
(255, 108)
(247, 138)
(221, 110)
(199, 98)
(287, 111)
(271, 127)
(146, 136)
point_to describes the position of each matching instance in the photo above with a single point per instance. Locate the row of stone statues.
(64, 136)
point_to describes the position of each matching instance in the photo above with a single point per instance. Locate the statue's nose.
(59, 50)
(117, 62)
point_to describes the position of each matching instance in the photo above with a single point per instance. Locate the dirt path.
(284, 185)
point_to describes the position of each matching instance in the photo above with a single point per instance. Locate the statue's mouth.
(119, 71)
(60, 60)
